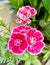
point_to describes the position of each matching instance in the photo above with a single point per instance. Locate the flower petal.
(16, 50)
(19, 21)
(22, 29)
(17, 44)
(10, 44)
(39, 36)
(33, 11)
(35, 41)
(36, 48)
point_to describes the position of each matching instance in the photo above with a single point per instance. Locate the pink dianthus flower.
(35, 42)
(17, 43)
(26, 38)
(25, 13)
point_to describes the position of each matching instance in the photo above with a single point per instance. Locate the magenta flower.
(24, 21)
(21, 29)
(17, 43)
(32, 10)
(18, 20)
(35, 42)
(26, 38)
(25, 13)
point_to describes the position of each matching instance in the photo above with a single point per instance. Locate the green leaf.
(49, 18)
(10, 63)
(2, 23)
(46, 31)
(47, 5)
(42, 23)
(2, 59)
(46, 15)
(33, 57)
(16, 3)
(36, 62)
(3, 50)
(1, 38)
(3, 41)
(24, 56)
(28, 62)
(10, 59)
(33, 3)
(44, 51)
(19, 57)
(39, 4)
(46, 56)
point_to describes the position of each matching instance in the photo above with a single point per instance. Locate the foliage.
(47, 5)
(16, 3)
(8, 57)
(41, 21)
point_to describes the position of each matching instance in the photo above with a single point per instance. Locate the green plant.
(41, 21)
(8, 57)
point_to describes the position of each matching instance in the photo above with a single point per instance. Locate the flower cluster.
(25, 38)
(25, 13)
